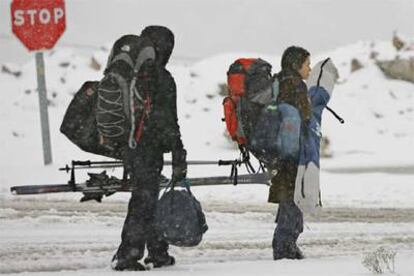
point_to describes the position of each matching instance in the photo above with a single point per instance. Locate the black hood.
(163, 40)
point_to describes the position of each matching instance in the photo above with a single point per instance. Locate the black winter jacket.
(162, 125)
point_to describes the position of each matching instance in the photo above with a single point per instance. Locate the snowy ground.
(367, 185)
(50, 236)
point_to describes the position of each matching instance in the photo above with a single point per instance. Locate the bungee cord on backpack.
(110, 112)
(124, 96)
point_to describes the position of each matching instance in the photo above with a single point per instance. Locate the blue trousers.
(289, 221)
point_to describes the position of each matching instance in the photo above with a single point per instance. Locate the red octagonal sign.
(38, 23)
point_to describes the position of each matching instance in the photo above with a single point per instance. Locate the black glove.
(179, 165)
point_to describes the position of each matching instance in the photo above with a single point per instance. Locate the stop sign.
(38, 23)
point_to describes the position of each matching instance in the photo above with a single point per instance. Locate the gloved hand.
(179, 166)
(179, 172)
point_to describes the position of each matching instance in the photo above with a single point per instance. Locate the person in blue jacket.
(293, 92)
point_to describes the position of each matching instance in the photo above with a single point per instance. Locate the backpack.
(106, 116)
(79, 123)
(124, 94)
(276, 133)
(250, 89)
(179, 218)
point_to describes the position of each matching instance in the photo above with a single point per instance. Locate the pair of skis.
(100, 184)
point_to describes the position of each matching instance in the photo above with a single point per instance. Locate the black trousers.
(144, 165)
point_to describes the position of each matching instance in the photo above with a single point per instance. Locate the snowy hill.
(364, 205)
(379, 112)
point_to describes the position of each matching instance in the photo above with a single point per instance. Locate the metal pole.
(44, 117)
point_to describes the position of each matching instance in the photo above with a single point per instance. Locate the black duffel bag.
(179, 219)
(79, 122)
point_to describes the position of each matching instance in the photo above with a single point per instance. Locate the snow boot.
(121, 264)
(160, 260)
(287, 251)
(299, 254)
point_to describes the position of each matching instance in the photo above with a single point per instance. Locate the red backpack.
(249, 82)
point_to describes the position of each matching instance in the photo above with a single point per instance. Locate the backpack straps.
(148, 53)
(245, 158)
(123, 57)
(145, 115)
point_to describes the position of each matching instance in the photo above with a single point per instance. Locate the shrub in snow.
(356, 65)
(397, 42)
(222, 89)
(94, 64)
(379, 261)
(11, 70)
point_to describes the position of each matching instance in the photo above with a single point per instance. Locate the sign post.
(44, 115)
(38, 24)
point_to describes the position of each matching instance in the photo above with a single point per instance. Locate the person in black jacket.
(292, 90)
(144, 164)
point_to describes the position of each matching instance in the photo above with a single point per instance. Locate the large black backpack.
(107, 116)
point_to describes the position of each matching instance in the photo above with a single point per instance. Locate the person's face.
(304, 71)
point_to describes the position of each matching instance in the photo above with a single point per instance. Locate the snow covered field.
(367, 184)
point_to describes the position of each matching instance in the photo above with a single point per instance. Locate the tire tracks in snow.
(16, 209)
(66, 235)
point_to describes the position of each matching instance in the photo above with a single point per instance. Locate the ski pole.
(119, 164)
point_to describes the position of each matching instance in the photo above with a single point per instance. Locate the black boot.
(298, 253)
(283, 254)
(160, 260)
(287, 251)
(130, 264)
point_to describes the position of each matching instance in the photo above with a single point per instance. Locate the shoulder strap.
(148, 53)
